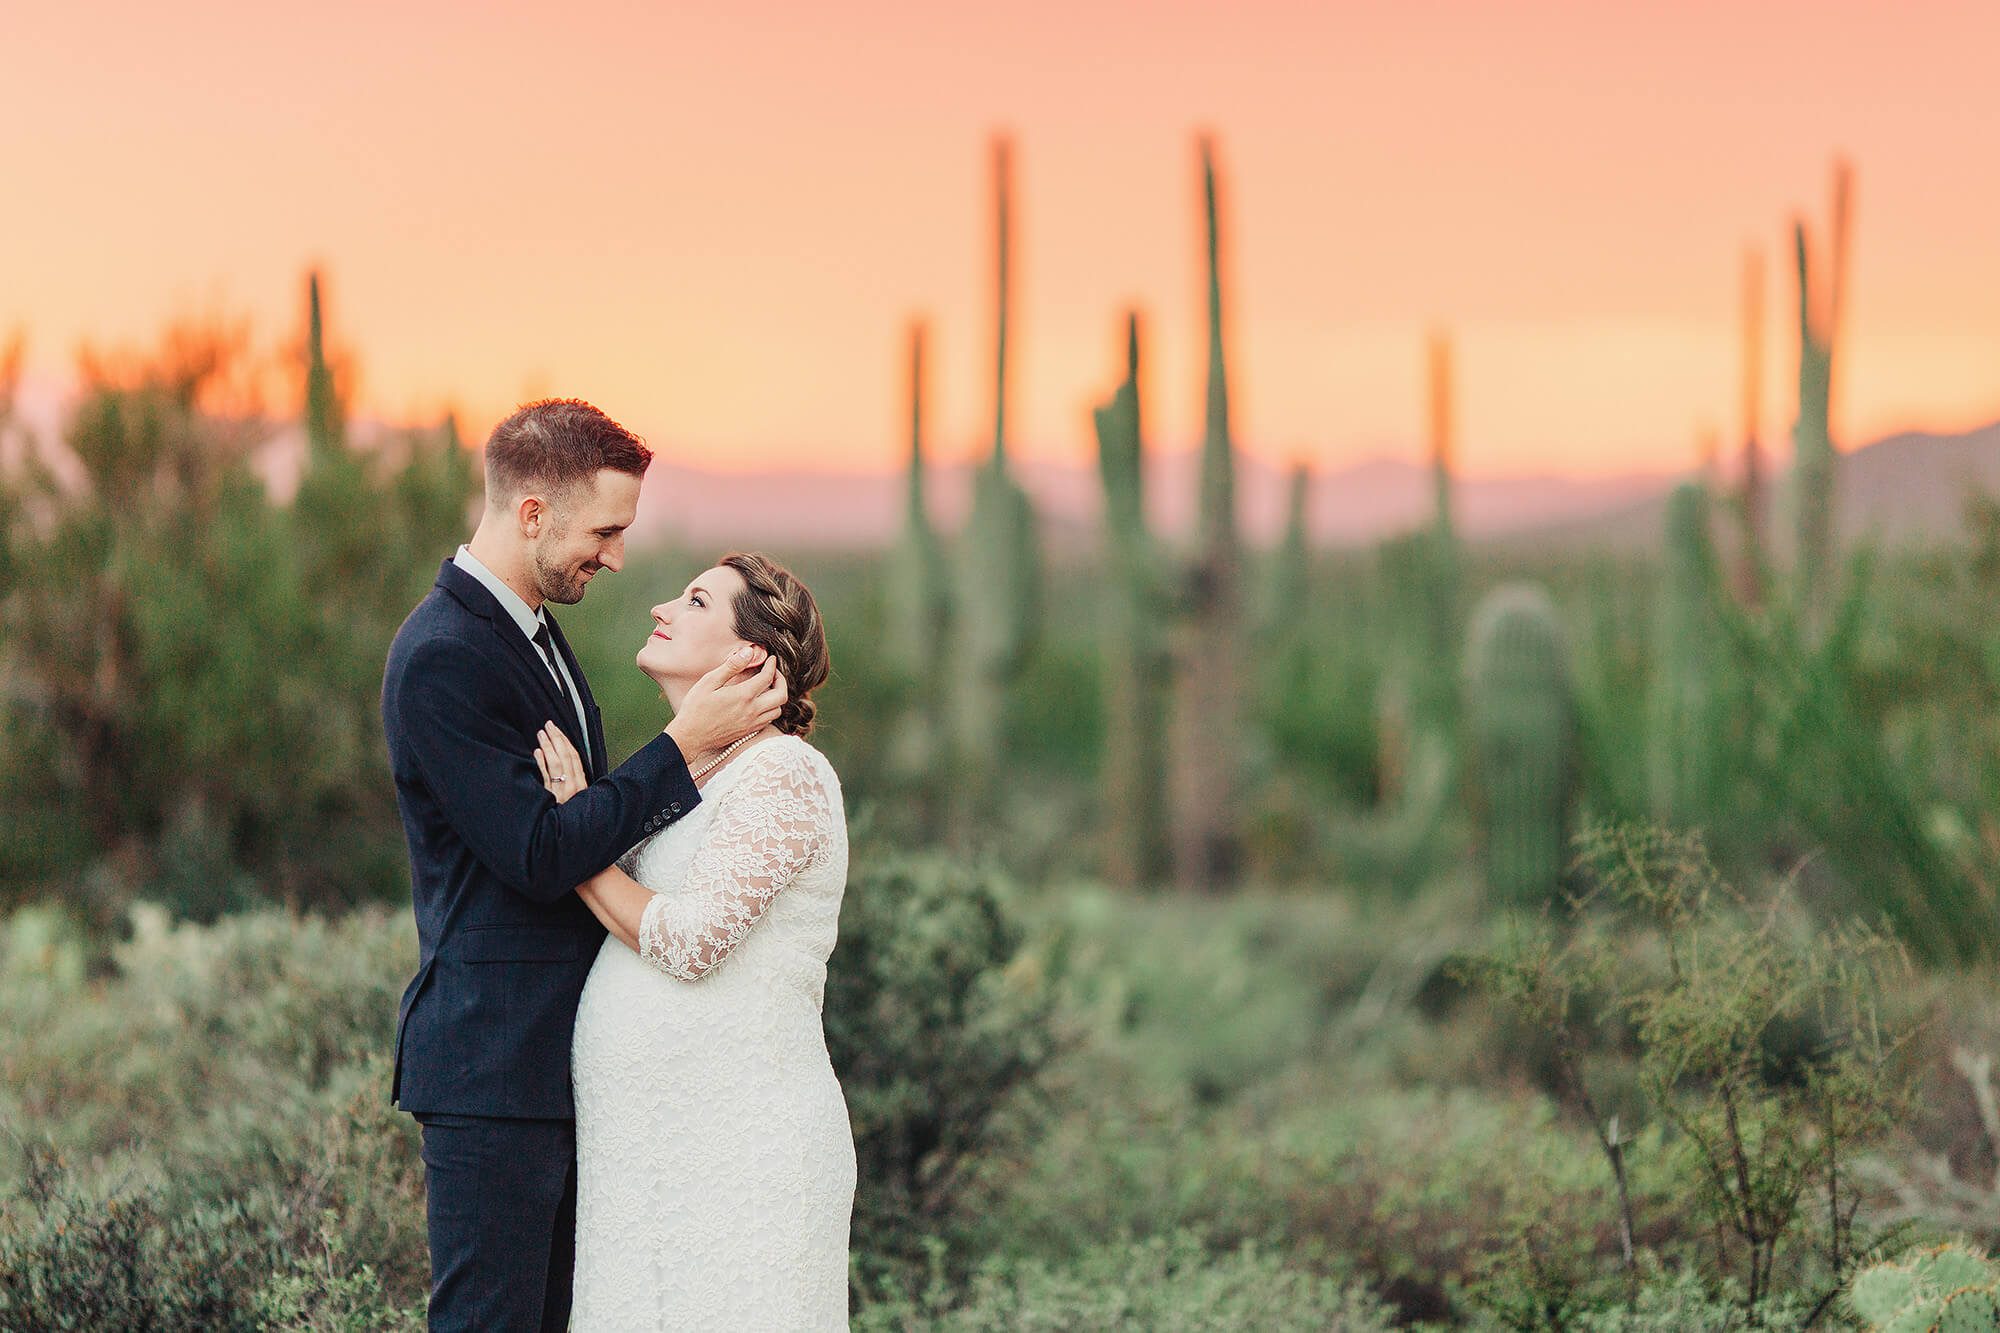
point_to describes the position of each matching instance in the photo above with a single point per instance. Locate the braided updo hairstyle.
(777, 613)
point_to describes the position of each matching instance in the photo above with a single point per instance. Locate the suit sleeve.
(454, 721)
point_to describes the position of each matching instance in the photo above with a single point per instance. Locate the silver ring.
(562, 777)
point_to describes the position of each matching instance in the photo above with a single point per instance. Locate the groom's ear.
(531, 512)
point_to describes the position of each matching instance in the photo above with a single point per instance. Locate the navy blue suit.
(504, 945)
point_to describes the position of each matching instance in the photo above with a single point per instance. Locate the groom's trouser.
(500, 1197)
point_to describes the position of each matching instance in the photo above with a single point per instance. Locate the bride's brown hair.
(777, 612)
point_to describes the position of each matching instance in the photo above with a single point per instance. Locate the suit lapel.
(538, 667)
(594, 720)
(476, 598)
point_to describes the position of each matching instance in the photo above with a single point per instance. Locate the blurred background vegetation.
(1478, 934)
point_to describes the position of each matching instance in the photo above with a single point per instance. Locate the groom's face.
(584, 532)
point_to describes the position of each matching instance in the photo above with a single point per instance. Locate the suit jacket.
(504, 946)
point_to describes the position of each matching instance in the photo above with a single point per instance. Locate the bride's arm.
(617, 900)
(765, 829)
(613, 897)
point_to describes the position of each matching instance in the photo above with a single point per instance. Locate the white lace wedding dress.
(715, 1162)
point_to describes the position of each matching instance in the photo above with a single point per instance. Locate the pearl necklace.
(717, 762)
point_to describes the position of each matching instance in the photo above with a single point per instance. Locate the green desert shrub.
(1683, 1302)
(1769, 1054)
(164, 564)
(193, 1031)
(235, 1070)
(940, 1013)
(1170, 1283)
(321, 1291)
(84, 1257)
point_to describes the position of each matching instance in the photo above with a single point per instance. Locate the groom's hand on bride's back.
(745, 693)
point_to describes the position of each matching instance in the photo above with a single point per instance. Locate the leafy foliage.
(939, 1014)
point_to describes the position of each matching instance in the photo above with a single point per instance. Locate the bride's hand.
(562, 767)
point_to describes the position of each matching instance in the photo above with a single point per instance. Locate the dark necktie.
(548, 647)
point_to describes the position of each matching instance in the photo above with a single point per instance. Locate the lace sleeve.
(766, 828)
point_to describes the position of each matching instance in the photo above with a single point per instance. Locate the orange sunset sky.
(714, 220)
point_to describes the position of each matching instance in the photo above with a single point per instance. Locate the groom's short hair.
(555, 445)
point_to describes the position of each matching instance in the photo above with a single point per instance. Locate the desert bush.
(1171, 1283)
(940, 1013)
(74, 1256)
(320, 1291)
(1773, 1055)
(1686, 1302)
(1263, 1069)
(194, 1032)
(192, 675)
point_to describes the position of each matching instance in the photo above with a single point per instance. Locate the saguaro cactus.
(322, 406)
(1136, 663)
(1441, 564)
(338, 531)
(1520, 714)
(999, 569)
(1751, 557)
(1683, 712)
(1820, 301)
(1286, 585)
(919, 587)
(1443, 441)
(1207, 781)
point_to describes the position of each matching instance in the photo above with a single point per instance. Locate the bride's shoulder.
(794, 754)
(805, 761)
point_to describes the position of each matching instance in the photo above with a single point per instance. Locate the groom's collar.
(508, 600)
(468, 591)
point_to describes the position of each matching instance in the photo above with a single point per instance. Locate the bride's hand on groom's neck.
(743, 695)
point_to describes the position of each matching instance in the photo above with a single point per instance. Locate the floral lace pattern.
(767, 827)
(715, 1161)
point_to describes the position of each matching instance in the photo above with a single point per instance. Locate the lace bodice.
(769, 823)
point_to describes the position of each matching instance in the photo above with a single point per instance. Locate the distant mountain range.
(1904, 489)
(1353, 505)
(1907, 487)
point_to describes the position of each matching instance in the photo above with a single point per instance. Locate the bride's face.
(694, 633)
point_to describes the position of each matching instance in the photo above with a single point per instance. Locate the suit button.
(675, 807)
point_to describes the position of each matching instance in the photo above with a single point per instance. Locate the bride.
(715, 1162)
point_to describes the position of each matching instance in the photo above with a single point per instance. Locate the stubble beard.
(564, 587)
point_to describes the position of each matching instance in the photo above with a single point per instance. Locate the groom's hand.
(742, 695)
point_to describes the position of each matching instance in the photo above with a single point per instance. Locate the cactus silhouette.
(1207, 719)
(1417, 700)
(998, 594)
(1136, 663)
(1442, 438)
(322, 406)
(333, 507)
(1683, 713)
(1439, 560)
(919, 609)
(1520, 715)
(1288, 582)
(1820, 298)
(1751, 498)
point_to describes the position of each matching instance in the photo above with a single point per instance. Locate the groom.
(504, 946)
